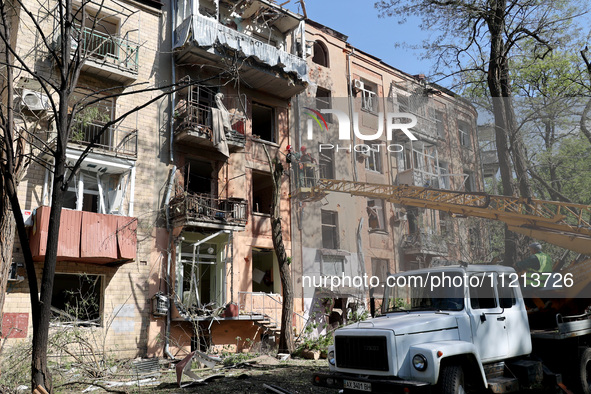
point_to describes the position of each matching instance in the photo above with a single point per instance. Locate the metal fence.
(119, 140)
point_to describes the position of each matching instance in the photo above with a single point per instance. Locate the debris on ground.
(184, 366)
(275, 389)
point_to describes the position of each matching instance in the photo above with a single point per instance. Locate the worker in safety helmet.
(538, 262)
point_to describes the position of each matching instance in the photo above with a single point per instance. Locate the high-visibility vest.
(545, 266)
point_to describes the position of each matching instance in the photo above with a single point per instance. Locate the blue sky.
(377, 36)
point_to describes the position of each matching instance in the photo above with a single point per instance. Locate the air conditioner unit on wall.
(309, 48)
(358, 84)
(34, 101)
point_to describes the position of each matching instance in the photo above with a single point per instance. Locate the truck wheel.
(585, 371)
(452, 380)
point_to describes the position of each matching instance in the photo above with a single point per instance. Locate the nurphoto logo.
(394, 121)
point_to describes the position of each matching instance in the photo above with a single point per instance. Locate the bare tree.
(286, 342)
(55, 66)
(479, 37)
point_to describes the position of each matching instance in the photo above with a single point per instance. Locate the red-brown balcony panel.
(87, 237)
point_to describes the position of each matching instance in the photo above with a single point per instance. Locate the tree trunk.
(40, 371)
(286, 343)
(499, 84)
(496, 69)
(7, 227)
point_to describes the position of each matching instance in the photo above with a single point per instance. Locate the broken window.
(199, 177)
(264, 271)
(262, 192)
(196, 273)
(326, 164)
(464, 134)
(439, 125)
(403, 158)
(379, 269)
(263, 122)
(413, 219)
(373, 161)
(323, 101)
(375, 212)
(470, 182)
(97, 189)
(369, 99)
(77, 299)
(332, 265)
(329, 229)
(443, 170)
(320, 54)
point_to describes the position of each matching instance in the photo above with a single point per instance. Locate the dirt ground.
(294, 376)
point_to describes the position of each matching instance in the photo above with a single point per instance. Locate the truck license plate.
(361, 386)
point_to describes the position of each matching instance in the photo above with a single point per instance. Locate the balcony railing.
(87, 237)
(199, 208)
(423, 243)
(196, 117)
(415, 177)
(207, 33)
(107, 48)
(119, 140)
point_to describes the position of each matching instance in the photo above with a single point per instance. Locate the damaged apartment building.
(166, 227)
(105, 239)
(244, 63)
(337, 233)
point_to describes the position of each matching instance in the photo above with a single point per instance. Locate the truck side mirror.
(483, 318)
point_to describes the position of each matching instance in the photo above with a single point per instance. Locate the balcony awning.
(208, 33)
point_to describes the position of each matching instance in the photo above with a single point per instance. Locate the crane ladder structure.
(563, 224)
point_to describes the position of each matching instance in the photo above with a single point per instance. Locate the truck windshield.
(438, 291)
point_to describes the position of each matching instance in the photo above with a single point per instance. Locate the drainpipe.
(168, 262)
(353, 153)
(169, 188)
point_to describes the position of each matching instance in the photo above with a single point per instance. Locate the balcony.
(202, 210)
(263, 67)
(117, 140)
(414, 177)
(490, 163)
(422, 243)
(107, 55)
(195, 127)
(87, 237)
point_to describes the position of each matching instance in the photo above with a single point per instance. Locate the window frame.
(465, 134)
(324, 102)
(322, 46)
(259, 175)
(378, 208)
(374, 156)
(334, 229)
(273, 110)
(101, 297)
(326, 161)
(369, 97)
(439, 118)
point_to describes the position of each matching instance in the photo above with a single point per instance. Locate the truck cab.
(444, 327)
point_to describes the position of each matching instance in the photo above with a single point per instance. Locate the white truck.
(458, 329)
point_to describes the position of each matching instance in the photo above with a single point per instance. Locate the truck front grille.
(358, 352)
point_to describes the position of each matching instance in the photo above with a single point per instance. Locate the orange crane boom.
(563, 224)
